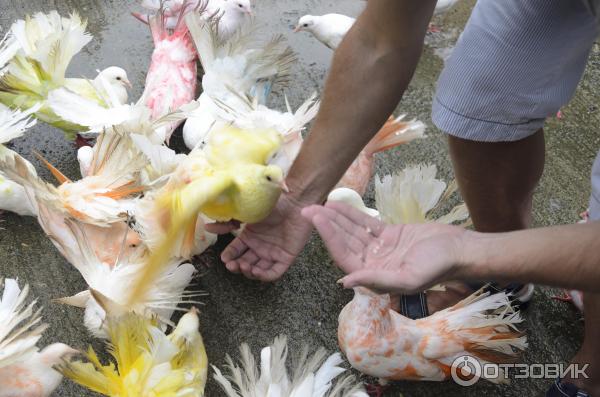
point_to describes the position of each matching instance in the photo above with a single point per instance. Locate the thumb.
(377, 279)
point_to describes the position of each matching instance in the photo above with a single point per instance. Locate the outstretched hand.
(264, 251)
(387, 258)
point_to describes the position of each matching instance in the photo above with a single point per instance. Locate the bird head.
(305, 23)
(241, 6)
(115, 75)
(188, 325)
(56, 353)
(273, 175)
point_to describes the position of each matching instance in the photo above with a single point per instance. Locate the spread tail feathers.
(395, 132)
(159, 26)
(48, 42)
(14, 123)
(487, 326)
(312, 375)
(20, 327)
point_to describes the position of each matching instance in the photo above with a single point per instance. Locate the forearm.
(371, 69)
(565, 256)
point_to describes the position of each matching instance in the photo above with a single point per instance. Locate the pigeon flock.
(131, 224)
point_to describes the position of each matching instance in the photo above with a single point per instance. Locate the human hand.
(264, 251)
(387, 258)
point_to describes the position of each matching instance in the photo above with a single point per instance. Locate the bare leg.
(497, 181)
(590, 350)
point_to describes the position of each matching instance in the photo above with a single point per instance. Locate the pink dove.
(171, 79)
(380, 342)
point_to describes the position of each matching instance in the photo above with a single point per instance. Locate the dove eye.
(118, 78)
(305, 25)
(269, 179)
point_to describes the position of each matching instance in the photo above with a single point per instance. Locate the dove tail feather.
(60, 177)
(21, 329)
(158, 22)
(486, 324)
(204, 33)
(14, 123)
(395, 132)
(313, 375)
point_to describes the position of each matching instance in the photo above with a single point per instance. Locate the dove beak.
(250, 12)
(127, 83)
(298, 28)
(284, 187)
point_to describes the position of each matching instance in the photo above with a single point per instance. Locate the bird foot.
(376, 389)
(433, 29)
(564, 297)
(80, 141)
(559, 115)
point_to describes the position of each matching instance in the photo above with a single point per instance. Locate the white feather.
(312, 375)
(88, 113)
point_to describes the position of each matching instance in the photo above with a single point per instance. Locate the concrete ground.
(304, 304)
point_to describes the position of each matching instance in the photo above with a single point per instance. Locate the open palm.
(390, 258)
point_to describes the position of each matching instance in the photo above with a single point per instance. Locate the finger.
(336, 243)
(357, 232)
(234, 250)
(221, 227)
(247, 261)
(372, 226)
(379, 280)
(264, 264)
(233, 266)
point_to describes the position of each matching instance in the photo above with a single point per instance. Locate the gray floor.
(305, 303)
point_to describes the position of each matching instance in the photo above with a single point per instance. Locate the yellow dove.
(229, 179)
(148, 362)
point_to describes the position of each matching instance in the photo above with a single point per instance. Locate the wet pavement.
(305, 303)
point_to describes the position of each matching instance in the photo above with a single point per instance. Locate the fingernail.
(228, 254)
(341, 280)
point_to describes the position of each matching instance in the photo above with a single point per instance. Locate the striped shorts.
(516, 63)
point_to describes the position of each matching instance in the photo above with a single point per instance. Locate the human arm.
(370, 71)
(409, 258)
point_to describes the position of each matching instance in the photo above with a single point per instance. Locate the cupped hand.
(387, 258)
(264, 251)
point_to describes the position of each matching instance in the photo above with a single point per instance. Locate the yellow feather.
(148, 363)
(231, 181)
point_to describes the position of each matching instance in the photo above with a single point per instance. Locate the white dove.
(37, 52)
(353, 199)
(313, 375)
(24, 370)
(85, 155)
(329, 29)
(110, 261)
(12, 195)
(243, 64)
(232, 15)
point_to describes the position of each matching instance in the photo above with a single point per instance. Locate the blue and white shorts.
(516, 63)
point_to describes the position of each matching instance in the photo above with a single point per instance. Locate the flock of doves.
(136, 217)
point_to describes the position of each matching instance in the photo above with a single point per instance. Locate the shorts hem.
(461, 126)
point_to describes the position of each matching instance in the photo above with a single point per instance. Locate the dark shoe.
(565, 389)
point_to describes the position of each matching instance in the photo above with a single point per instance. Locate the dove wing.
(184, 205)
(86, 112)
